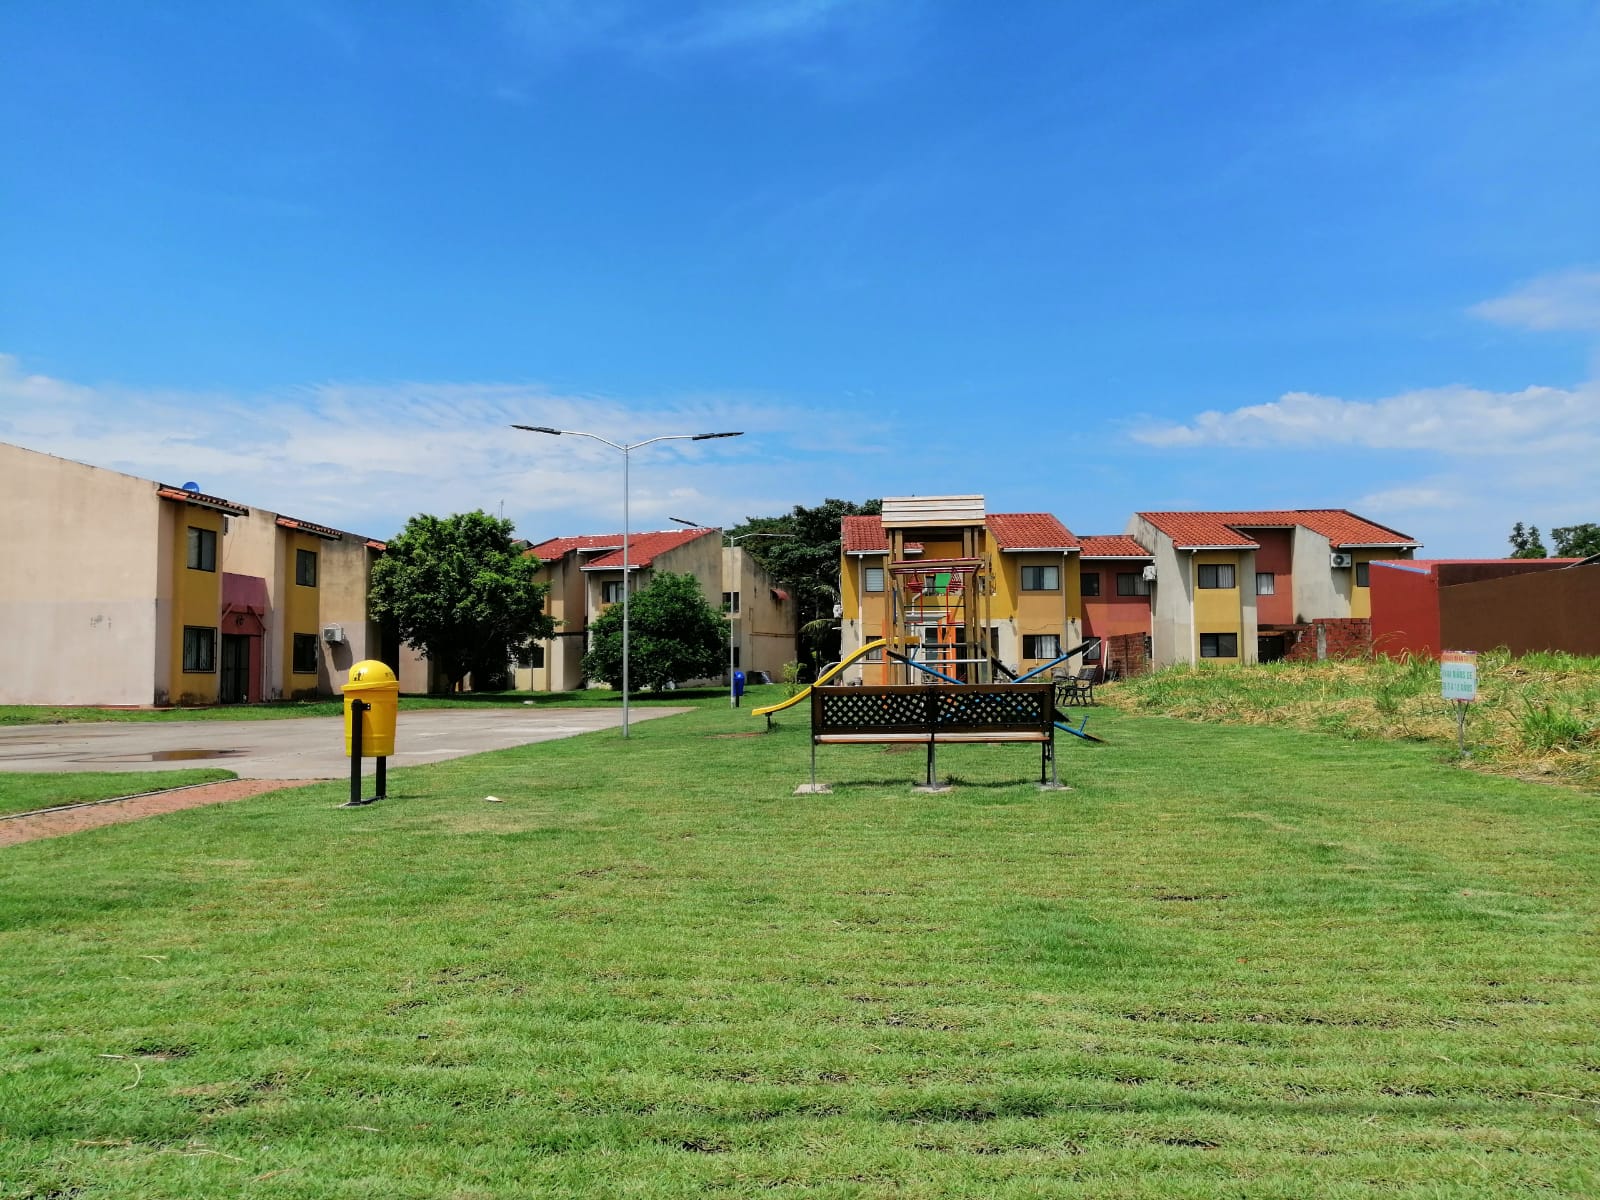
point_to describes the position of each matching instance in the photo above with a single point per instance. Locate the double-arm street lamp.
(733, 697)
(626, 450)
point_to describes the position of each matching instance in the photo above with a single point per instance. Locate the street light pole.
(733, 698)
(626, 449)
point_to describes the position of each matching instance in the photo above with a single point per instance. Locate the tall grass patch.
(1537, 716)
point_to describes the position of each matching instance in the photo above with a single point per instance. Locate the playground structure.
(937, 626)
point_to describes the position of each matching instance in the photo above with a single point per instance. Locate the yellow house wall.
(196, 600)
(300, 611)
(1217, 610)
(1361, 597)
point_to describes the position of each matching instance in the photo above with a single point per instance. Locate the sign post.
(1458, 680)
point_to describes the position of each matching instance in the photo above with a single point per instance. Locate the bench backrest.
(918, 708)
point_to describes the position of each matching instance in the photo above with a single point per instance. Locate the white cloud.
(365, 456)
(1449, 420)
(1564, 300)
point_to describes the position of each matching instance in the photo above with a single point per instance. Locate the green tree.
(807, 563)
(673, 633)
(460, 590)
(1576, 541)
(1525, 543)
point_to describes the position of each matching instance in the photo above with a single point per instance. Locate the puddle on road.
(170, 755)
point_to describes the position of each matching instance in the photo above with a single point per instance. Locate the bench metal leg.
(931, 767)
(813, 765)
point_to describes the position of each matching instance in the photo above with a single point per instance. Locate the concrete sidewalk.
(294, 748)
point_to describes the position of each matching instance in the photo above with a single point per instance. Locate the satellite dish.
(191, 486)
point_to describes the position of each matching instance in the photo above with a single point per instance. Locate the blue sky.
(1086, 259)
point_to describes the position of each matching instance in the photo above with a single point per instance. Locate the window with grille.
(199, 649)
(873, 579)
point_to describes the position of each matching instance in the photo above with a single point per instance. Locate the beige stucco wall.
(79, 590)
(1170, 596)
(1319, 590)
(763, 629)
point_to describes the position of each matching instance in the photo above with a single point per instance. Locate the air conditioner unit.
(1340, 560)
(1150, 573)
(333, 634)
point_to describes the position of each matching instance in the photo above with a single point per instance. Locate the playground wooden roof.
(1011, 531)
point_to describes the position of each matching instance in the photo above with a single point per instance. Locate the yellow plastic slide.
(823, 678)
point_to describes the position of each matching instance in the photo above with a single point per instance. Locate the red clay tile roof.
(643, 547)
(1341, 528)
(558, 547)
(1030, 531)
(167, 492)
(1012, 531)
(322, 531)
(863, 535)
(1110, 545)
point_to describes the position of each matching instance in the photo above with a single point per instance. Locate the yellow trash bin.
(373, 682)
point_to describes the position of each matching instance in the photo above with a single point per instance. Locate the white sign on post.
(1458, 674)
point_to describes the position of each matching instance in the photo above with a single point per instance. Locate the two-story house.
(125, 591)
(1239, 586)
(585, 576)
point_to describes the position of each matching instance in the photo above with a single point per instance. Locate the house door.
(235, 669)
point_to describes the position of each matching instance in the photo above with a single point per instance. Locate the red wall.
(1405, 612)
(1109, 614)
(1276, 555)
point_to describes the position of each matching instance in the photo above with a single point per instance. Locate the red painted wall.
(1405, 612)
(1109, 614)
(1276, 555)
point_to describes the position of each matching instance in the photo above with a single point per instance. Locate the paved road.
(296, 748)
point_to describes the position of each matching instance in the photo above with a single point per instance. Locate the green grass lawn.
(1234, 962)
(26, 791)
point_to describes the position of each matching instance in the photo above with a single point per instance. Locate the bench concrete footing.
(813, 789)
(932, 789)
(1054, 787)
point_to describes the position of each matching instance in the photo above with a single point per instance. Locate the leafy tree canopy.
(1576, 541)
(460, 590)
(807, 563)
(1525, 543)
(673, 633)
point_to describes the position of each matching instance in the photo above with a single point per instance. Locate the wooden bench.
(918, 714)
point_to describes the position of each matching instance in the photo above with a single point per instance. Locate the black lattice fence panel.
(913, 708)
(1006, 709)
(870, 710)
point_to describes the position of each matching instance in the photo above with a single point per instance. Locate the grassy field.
(1537, 716)
(26, 791)
(1234, 962)
(39, 714)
